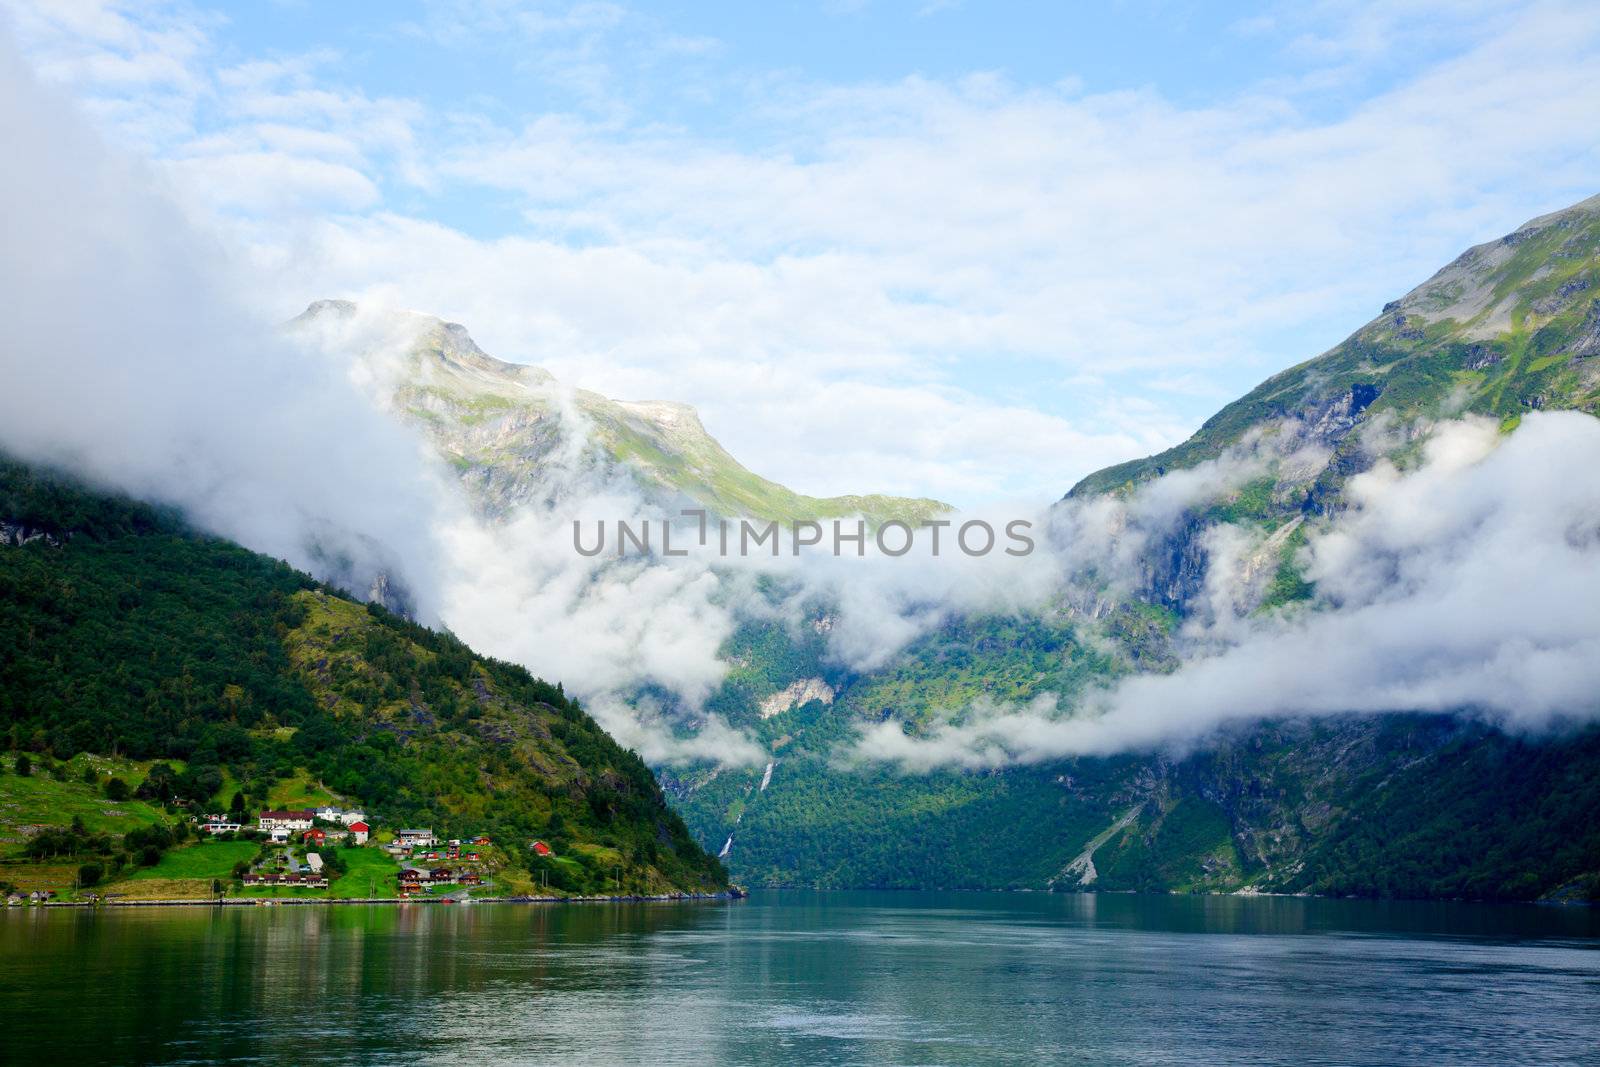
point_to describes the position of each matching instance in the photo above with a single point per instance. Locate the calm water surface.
(836, 978)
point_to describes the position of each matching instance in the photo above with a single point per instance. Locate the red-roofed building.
(361, 831)
(542, 849)
(314, 836)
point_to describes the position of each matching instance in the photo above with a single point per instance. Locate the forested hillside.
(124, 633)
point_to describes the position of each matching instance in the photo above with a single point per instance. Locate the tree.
(117, 789)
(149, 856)
(89, 775)
(89, 874)
(216, 887)
(24, 766)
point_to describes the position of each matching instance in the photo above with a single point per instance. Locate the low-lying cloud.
(131, 357)
(1468, 584)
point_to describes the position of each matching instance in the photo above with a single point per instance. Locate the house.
(411, 874)
(280, 835)
(417, 838)
(482, 839)
(442, 876)
(314, 836)
(220, 826)
(313, 880)
(288, 820)
(361, 831)
(343, 816)
(542, 849)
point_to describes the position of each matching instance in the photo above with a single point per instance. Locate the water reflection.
(837, 978)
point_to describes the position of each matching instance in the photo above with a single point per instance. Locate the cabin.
(314, 836)
(542, 849)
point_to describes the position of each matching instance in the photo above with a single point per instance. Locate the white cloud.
(1467, 585)
(132, 357)
(891, 248)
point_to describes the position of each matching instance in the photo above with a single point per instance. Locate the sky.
(961, 250)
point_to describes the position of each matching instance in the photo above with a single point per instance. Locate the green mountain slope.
(1510, 326)
(125, 634)
(1388, 805)
(512, 432)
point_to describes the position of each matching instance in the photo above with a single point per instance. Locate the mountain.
(129, 641)
(1509, 326)
(513, 432)
(1384, 805)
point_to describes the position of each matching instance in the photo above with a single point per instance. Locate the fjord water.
(790, 977)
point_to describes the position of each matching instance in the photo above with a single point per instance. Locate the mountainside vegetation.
(233, 682)
(1387, 805)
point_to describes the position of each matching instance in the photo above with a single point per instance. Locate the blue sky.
(964, 250)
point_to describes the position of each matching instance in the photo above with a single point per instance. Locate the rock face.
(795, 695)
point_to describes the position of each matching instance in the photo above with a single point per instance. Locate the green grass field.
(370, 872)
(40, 800)
(298, 792)
(209, 859)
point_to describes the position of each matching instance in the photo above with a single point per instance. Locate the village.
(293, 856)
(296, 854)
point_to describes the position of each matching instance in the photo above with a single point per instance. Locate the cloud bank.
(1468, 584)
(131, 357)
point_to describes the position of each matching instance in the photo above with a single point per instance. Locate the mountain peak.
(504, 425)
(1487, 287)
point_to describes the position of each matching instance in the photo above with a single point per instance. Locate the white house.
(280, 834)
(417, 838)
(329, 813)
(360, 831)
(216, 826)
(288, 820)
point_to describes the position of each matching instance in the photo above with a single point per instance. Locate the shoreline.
(273, 902)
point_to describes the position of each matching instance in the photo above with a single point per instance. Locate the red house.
(314, 836)
(542, 849)
(361, 831)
